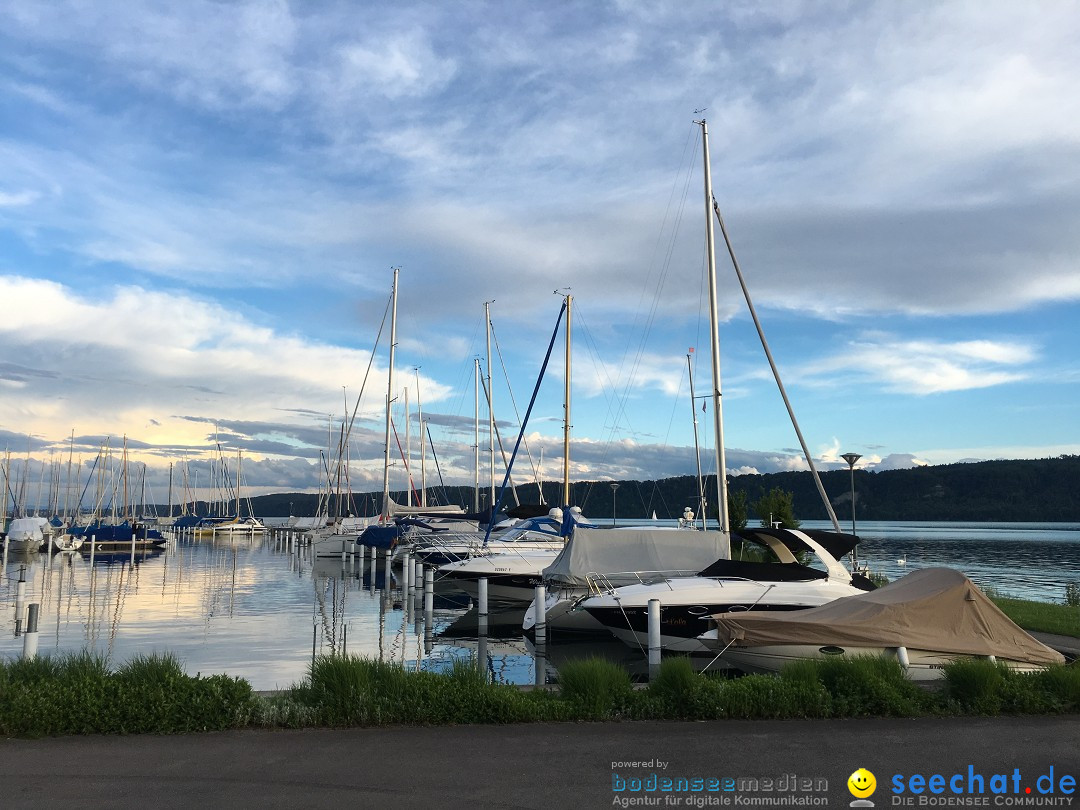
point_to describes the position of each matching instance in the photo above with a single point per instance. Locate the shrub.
(868, 685)
(1072, 594)
(598, 689)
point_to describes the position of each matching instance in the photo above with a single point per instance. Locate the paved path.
(549, 766)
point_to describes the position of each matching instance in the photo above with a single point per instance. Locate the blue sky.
(200, 205)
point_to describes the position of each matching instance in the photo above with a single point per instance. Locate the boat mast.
(389, 392)
(697, 447)
(408, 451)
(714, 325)
(239, 462)
(4, 494)
(491, 413)
(566, 409)
(423, 455)
(476, 434)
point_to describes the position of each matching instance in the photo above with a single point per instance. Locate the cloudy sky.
(201, 203)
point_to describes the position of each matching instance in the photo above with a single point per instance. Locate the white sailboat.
(686, 602)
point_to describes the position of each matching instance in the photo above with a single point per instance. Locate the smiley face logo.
(861, 783)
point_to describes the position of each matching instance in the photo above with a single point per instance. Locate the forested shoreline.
(1015, 490)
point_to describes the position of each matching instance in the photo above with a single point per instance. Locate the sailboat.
(687, 602)
(514, 566)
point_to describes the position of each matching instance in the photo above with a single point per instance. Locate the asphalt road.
(550, 766)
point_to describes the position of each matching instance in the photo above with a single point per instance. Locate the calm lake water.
(257, 609)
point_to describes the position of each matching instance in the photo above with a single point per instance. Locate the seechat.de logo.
(862, 785)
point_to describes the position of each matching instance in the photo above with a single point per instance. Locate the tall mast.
(389, 391)
(170, 490)
(423, 456)
(566, 411)
(476, 431)
(714, 325)
(408, 451)
(239, 462)
(491, 413)
(67, 485)
(3, 495)
(697, 447)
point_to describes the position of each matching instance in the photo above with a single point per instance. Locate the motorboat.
(597, 560)
(733, 585)
(220, 526)
(925, 621)
(512, 576)
(514, 564)
(27, 533)
(532, 534)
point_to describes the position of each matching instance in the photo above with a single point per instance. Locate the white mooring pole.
(654, 638)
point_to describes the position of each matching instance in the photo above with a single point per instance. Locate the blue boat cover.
(380, 536)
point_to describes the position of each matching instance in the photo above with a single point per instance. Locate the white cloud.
(154, 358)
(926, 366)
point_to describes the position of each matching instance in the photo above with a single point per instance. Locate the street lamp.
(614, 487)
(851, 458)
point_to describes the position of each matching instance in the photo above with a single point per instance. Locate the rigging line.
(776, 373)
(502, 450)
(667, 212)
(404, 461)
(513, 400)
(435, 455)
(646, 331)
(371, 360)
(528, 412)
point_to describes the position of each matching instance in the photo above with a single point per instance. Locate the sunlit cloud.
(929, 367)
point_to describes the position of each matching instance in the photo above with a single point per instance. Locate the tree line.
(1016, 490)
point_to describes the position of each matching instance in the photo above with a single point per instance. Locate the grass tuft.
(597, 688)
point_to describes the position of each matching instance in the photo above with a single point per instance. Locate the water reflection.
(261, 608)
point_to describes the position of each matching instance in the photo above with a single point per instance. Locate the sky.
(201, 203)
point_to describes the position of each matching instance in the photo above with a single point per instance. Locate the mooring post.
(482, 601)
(406, 571)
(30, 639)
(20, 601)
(654, 638)
(429, 592)
(540, 614)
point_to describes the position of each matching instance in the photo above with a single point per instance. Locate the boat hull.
(687, 605)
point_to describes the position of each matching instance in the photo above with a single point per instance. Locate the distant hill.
(1023, 490)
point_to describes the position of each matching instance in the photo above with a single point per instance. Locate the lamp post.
(851, 458)
(614, 487)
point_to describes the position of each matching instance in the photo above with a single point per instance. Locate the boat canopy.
(392, 508)
(621, 556)
(836, 543)
(935, 609)
(379, 536)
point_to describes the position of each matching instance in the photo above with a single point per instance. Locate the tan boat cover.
(935, 609)
(622, 556)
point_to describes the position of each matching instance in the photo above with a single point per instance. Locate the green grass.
(1040, 617)
(82, 694)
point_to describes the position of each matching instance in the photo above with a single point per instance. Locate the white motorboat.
(925, 621)
(512, 576)
(687, 603)
(27, 533)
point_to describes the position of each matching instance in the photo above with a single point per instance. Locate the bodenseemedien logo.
(862, 785)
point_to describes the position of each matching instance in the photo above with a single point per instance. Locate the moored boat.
(924, 621)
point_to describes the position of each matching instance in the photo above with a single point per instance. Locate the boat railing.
(599, 584)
